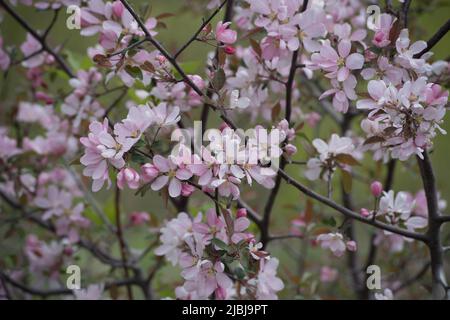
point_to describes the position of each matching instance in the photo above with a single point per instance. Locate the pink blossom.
(71, 222)
(128, 176)
(406, 52)
(149, 172)
(337, 64)
(268, 284)
(187, 189)
(342, 92)
(224, 34)
(213, 228)
(172, 175)
(97, 157)
(332, 241)
(382, 30)
(239, 226)
(384, 71)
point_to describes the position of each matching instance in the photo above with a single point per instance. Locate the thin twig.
(38, 37)
(199, 30)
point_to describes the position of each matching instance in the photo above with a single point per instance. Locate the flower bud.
(364, 212)
(187, 189)
(242, 212)
(351, 245)
(290, 149)
(230, 50)
(128, 176)
(376, 188)
(149, 172)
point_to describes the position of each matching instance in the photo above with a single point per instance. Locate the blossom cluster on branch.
(124, 117)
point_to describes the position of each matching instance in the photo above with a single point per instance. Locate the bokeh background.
(300, 263)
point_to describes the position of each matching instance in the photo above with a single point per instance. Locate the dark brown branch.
(373, 249)
(125, 50)
(122, 245)
(404, 13)
(440, 290)
(38, 37)
(115, 103)
(422, 272)
(56, 292)
(202, 26)
(52, 23)
(435, 39)
(349, 213)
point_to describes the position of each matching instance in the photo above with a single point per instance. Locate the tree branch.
(202, 26)
(435, 39)
(351, 214)
(440, 290)
(39, 38)
(122, 245)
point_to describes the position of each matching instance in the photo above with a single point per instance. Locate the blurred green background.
(425, 18)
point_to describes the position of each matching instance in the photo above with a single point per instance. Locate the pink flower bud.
(351, 245)
(376, 188)
(369, 55)
(149, 172)
(128, 176)
(230, 50)
(242, 212)
(117, 8)
(187, 189)
(68, 251)
(290, 149)
(44, 97)
(138, 218)
(364, 212)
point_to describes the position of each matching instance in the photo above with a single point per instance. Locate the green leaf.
(220, 244)
(329, 221)
(219, 80)
(134, 71)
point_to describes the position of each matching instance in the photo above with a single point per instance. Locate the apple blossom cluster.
(405, 210)
(277, 65)
(338, 153)
(405, 108)
(215, 252)
(104, 148)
